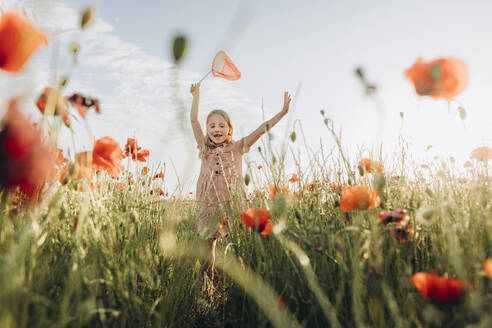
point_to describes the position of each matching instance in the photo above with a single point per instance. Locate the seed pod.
(74, 48)
(293, 136)
(179, 47)
(246, 179)
(87, 17)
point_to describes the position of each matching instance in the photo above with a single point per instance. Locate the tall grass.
(127, 257)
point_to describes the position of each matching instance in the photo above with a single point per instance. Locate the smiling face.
(217, 128)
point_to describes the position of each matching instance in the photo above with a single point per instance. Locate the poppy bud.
(87, 17)
(179, 48)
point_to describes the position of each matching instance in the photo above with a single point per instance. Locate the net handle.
(203, 78)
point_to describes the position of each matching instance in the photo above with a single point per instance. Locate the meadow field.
(339, 242)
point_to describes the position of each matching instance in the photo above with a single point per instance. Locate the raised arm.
(195, 124)
(256, 134)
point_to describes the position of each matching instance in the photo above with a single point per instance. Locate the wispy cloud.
(141, 96)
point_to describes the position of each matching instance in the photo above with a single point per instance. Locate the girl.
(221, 171)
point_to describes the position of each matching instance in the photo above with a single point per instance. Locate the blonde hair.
(208, 144)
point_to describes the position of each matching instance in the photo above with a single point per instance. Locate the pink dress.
(220, 179)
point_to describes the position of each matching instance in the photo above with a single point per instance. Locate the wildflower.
(398, 220)
(74, 224)
(482, 154)
(397, 216)
(293, 178)
(107, 155)
(260, 167)
(487, 267)
(145, 170)
(371, 165)
(18, 40)
(158, 229)
(335, 187)
(437, 288)
(53, 98)
(131, 149)
(281, 303)
(25, 161)
(278, 188)
(83, 103)
(309, 186)
(440, 78)
(223, 223)
(358, 197)
(161, 192)
(159, 176)
(259, 194)
(258, 219)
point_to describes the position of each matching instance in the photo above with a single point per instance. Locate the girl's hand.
(287, 99)
(195, 89)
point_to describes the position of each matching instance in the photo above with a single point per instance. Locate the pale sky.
(310, 46)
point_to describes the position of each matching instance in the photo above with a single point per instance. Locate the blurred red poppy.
(293, 178)
(258, 219)
(309, 186)
(259, 194)
(371, 165)
(398, 221)
(281, 302)
(59, 103)
(131, 149)
(437, 288)
(358, 197)
(145, 170)
(440, 78)
(25, 161)
(396, 216)
(159, 176)
(83, 103)
(278, 188)
(482, 154)
(107, 155)
(18, 40)
(487, 267)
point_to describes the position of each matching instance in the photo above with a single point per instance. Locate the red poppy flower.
(309, 186)
(440, 78)
(18, 40)
(396, 216)
(145, 170)
(258, 218)
(131, 149)
(437, 288)
(259, 194)
(293, 178)
(59, 103)
(358, 197)
(25, 161)
(335, 187)
(278, 188)
(281, 303)
(159, 176)
(107, 155)
(371, 165)
(482, 154)
(83, 103)
(487, 267)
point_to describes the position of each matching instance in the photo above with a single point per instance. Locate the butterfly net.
(223, 66)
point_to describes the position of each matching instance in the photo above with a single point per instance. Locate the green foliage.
(129, 258)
